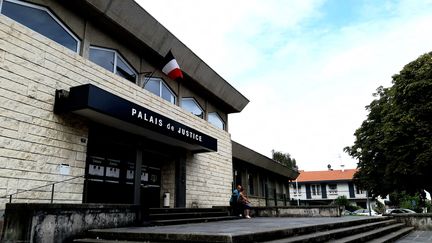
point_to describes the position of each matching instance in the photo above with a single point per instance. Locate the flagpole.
(148, 77)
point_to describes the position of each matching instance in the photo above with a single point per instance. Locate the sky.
(308, 67)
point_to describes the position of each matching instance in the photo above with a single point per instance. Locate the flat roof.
(250, 156)
(145, 32)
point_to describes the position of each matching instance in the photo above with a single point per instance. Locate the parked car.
(346, 212)
(399, 211)
(365, 212)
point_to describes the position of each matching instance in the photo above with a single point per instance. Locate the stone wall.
(420, 221)
(294, 211)
(61, 222)
(34, 142)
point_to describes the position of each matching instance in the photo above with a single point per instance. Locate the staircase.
(386, 230)
(373, 229)
(170, 216)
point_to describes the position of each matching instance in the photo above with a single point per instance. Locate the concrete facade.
(46, 154)
(35, 143)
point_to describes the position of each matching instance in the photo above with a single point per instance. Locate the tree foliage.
(285, 159)
(394, 144)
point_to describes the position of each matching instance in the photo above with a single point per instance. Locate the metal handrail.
(35, 188)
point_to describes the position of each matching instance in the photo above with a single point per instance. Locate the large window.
(191, 105)
(113, 62)
(158, 87)
(296, 189)
(41, 20)
(333, 189)
(251, 184)
(316, 190)
(216, 120)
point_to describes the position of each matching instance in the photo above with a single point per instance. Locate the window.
(113, 62)
(332, 189)
(295, 191)
(216, 120)
(158, 87)
(251, 184)
(359, 191)
(41, 20)
(192, 106)
(316, 190)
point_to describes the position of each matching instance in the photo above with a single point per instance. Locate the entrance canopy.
(106, 108)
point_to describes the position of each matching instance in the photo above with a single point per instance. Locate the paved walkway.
(416, 236)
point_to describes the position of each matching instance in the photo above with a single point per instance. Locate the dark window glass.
(103, 58)
(108, 59)
(125, 71)
(40, 20)
(251, 185)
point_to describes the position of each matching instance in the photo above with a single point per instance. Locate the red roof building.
(322, 187)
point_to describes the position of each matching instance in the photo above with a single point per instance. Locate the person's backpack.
(233, 199)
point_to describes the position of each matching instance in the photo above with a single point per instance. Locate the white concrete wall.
(342, 190)
(34, 142)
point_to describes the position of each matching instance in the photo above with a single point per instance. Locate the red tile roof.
(326, 175)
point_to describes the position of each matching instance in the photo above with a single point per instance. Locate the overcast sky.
(308, 67)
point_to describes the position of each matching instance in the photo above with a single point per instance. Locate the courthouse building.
(84, 102)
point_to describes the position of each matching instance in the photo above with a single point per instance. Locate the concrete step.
(185, 215)
(191, 220)
(184, 210)
(370, 235)
(293, 232)
(393, 235)
(139, 234)
(333, 233)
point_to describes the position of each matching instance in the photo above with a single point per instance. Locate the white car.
(365, 212)
(399, 211)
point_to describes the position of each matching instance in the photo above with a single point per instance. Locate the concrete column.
(180, 182)
(137, 177)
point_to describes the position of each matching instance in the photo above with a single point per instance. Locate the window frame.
(316, 190)
(251, 183)
(50, 13)
(161, 81)
(116, 55)
(217, 114)
(333, 191)
(196, 103)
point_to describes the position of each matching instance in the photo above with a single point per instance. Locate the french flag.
(171, 67)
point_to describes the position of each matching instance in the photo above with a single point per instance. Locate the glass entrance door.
(108, 173)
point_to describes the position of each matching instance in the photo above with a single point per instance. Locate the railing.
(10, 196)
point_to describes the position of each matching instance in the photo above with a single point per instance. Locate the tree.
(285, 159)
(394, 144)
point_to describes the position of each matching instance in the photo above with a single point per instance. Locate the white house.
(322, 187)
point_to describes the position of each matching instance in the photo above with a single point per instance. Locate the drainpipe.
(298, 194)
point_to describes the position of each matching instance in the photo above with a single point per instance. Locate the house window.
(316, 190)
(332, 189)
(251, 184)
(158, 87)
(216, 120)
(191, 105)
(297, 190)
(112, 61)
(41, 20)
(359, 191)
